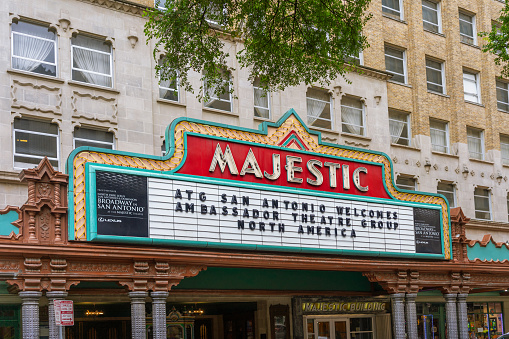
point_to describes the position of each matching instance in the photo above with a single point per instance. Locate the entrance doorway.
(357, 327)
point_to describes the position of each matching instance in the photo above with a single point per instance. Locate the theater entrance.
(352, 327)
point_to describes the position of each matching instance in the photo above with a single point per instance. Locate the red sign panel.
(281, 167)
(64, 312)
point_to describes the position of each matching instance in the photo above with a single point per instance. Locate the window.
(168, 89)
(439, 133)
(467, 28)
(261, 101)
(449, 191)
(160, 4)
(93, 138)
(406, 183)
(356, 59)
(34, 140)
(395, 63)
(352, 116)
(223, 101)
(471, 86)
(399, 126)
(435, 75)
(475, 143)
(319, 108)
(33, 48)
(431, 16)
(504, 149)
(392, 8)
(502, 96)
(91, 61)
(482, 203)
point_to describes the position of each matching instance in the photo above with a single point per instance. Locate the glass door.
(331, 329)
(340, 331)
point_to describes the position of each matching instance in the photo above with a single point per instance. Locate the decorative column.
(138, 323)
(30, 313)
(159, 314)
(54, 330)
(462, 315)
(411, 316)
(398, 315)
(451, 316)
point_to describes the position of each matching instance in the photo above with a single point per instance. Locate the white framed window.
(93, 138)
(431, 17)
(160, 4)
(168, 89)
(448, 190)
(504, 148)
(261, 101)
(439, 133)
(399, 127)
(393, 8)
(406, 182)
(356, 59)
(467, 28)
(92, 61)
(502, 96)
(33, 48)
(435, 75)
(222, 102)
(319, 108)
(395, 63)
(353, 117)
(471, 86)
(482, 203)
(475, 140)
(34, 140)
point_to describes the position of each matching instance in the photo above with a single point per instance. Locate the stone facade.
(132, 110)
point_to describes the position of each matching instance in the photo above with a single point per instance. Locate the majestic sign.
(278, 188)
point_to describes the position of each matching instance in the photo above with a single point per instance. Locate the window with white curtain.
(475, 143)
(502, 96)
(92, 61)
(352, 116)
(399, 127)
(439, 133)
(504, 148)
(261, 101)
(34, 140)
(406, 182)
(467, 28)
(431, 16)
(168, 89)
(393, 8)
(435, 75)
(395, 63)
(222, 102)
(93, 138)
(471, 86)
(448, 190)
(319, 108)
(482, 202)
(33, 48)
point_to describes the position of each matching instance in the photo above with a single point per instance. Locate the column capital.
(138, 294)
(450, 296)
(399, 297)
(411, 296)
(159, 294)
(56, 294)
(26, 295)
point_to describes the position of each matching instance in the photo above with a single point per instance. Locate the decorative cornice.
(119, 5)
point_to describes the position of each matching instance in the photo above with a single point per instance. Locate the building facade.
(80, 73)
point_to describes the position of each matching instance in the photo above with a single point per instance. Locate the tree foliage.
(282, 42)
(497, 41)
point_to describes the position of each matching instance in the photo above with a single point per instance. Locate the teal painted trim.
(294, 138)
(92, 222)
(490, 252)
(6, 220)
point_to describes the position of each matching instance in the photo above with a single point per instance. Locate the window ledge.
(399, 83)
(446, 154)
(35, 75)
(357, 136)
(220, 111)
(261, 118)
(482, 161)
(406, 147)
(471, 45)
(501, 110)
(395, 19)
(436, 33)
(321, 129)
(505, 165)
(91, 86)
(440, 94)
(171, 102)
(474, 103)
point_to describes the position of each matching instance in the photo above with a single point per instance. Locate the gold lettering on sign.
(370, 306)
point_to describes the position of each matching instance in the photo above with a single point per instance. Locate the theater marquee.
(277, 188)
